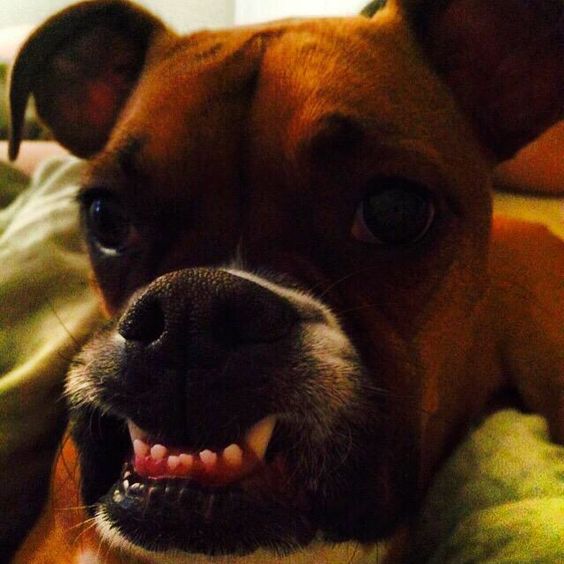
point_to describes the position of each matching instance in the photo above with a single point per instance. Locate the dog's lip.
(181, 514)
(233, 463)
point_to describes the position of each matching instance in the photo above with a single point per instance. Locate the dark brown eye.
(107, 223)
(396, 211)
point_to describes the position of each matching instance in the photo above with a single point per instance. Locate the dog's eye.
(108, 224)
(396, 211)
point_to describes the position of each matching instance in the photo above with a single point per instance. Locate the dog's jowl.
(290, 230)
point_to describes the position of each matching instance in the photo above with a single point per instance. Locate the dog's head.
(288, 226)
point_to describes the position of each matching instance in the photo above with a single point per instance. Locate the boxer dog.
(290, 232)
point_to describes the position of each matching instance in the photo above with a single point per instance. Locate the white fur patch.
(324, 343)
(297, 297)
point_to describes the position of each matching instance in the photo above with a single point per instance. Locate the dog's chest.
(352, 553)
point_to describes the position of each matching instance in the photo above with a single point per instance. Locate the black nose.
(207, 309)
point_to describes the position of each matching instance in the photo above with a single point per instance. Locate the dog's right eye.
(108, 225)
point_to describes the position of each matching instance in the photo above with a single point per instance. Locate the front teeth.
(158, 452)
(256, 441)
(173, 462)
(187, 460)
(208, 457)
(233, 455)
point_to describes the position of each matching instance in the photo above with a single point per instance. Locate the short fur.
(249, 287)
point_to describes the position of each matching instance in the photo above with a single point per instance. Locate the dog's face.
(288, 227)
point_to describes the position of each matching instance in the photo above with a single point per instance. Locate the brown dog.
(290, 229)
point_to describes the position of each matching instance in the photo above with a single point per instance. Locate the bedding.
(46, 311)
(500, 497)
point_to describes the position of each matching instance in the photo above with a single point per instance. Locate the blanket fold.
(47, 310)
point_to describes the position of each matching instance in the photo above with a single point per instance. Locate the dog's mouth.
(194, 470)
(232, 500)
(231, 465)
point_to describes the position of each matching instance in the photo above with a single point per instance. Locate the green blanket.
(500, 498)
(46, 311)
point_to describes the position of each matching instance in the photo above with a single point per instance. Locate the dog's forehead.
(217, 96)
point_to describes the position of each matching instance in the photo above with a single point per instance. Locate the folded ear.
(503, 59)
(81, 66)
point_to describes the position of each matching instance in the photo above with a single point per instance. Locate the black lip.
(341, 479)
(181, 514)
(238, 519)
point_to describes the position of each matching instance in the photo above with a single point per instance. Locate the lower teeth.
(136, 487)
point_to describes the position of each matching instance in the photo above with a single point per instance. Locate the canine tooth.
(186, 460)
(233, 455)
(127, 474)
(126, 485)
(208, 457)
(135, 432)
(140, 447)
(259, 435)
(158, 452)
(173, 462)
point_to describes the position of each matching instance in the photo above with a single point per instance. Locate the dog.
(290, 230)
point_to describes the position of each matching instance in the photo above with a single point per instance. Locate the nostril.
(144, 321)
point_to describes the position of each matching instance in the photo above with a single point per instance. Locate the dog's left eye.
(396, 211)
(107, 223)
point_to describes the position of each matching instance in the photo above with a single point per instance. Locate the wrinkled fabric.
(46, 311)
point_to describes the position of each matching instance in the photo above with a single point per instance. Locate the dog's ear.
(81, 66)
(503, 59)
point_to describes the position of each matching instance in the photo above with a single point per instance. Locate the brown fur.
(473, 315)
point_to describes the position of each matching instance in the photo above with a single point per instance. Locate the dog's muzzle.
(197, 320)
(222, 398)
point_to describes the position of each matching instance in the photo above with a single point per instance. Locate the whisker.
(81, 524)
(356, 308)
(344, 278)
(68, 360)
(88, 525)
(71, 472)
(76, 508)
(62, 323)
